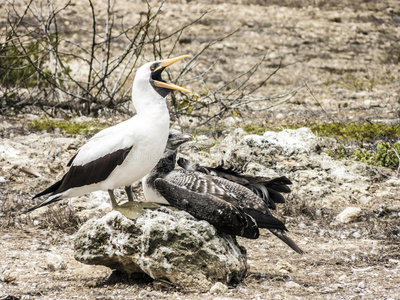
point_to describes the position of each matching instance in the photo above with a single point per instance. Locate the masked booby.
(230, 207)
(266, 188)
(122, 154)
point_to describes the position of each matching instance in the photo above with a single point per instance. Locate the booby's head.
(167, 162)
(151, 73)
(175, 139)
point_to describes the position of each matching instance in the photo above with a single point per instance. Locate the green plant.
(357, 131)
(16, 68)
(254, 129)
(386, 155)
(340, 152)
(70, 127)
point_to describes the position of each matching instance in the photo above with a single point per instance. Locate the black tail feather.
(287, 240)
(50, 189)
(275, 196)
(44, 203)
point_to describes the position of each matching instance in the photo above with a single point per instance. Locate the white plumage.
(122, 154)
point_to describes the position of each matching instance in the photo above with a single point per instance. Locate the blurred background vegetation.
(59, 66)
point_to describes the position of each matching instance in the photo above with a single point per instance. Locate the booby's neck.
(167, 163)
(147, 100)
(164, 166)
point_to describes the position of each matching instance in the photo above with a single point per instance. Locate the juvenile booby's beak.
(162, 84)
(181, 139)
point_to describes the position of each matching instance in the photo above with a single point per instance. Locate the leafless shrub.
(62, 218)
(37, 55)
(45, 65)
(296, 206)
(232, 98)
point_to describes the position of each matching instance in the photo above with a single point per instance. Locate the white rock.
(349, 214)
(283, 266)
(393, 182)
(300, 140)
(157, 244)
(55, 262)
(218, 288)
(292, 285)
(361, 284)
(343, 277)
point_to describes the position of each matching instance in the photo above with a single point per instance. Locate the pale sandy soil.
(349, 53)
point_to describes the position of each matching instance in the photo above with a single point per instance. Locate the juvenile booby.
(225, 216)
(230, 207)
(122, 154)
(266, 188)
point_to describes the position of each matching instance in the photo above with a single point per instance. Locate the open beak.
(167, 85)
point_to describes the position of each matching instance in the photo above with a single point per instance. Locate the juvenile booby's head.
(176, 138)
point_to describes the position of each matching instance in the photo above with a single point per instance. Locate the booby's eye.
(153, 67)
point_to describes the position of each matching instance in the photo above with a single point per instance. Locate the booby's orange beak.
(162, 84)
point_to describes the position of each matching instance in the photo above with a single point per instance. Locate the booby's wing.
(233, 193)
(251, 205)
(87, 174)
(266, 188)
(93, 162)
(224, 216)
(228, 191)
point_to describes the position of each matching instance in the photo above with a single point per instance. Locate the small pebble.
(292, 285)
(349, 214)
(361, 285)
(218, 288)
(283, 267)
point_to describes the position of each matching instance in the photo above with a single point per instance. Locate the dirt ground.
(348, 52)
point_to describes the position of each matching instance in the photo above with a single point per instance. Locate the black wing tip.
(183, 162)
(251, 231)
(296, 248)
(40, 194)
(275, 196)
(284, 180)
(266, 220)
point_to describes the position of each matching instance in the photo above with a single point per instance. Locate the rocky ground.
(352, 256)
(349, 54)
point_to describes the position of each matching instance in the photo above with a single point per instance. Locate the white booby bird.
(266, 188)
(122, 154)
(230, 207)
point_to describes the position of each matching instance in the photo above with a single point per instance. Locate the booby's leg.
(131, 209)
(113, 201)
(128, 190)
